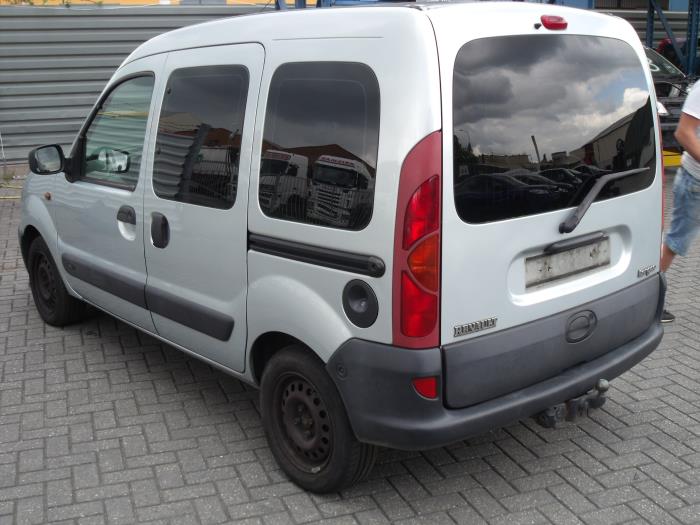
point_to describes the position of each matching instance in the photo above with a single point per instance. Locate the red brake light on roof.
(553, 22)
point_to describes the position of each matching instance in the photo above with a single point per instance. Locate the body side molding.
(340, 260)
(205, 320)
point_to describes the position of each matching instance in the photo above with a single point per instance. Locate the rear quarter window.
(566, 108)
(319, 155)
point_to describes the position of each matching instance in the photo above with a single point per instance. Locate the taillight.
(663, 185)
(423, 262)
(418, 309)
(416, 274)
(422, 216)
(663, 176)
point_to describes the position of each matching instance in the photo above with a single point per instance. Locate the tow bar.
(574, 408)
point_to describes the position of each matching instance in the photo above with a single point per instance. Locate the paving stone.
(119, 511)
(609, 516)
(30, 511)
(145, 492)
(302, 508)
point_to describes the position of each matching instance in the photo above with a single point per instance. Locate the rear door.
(520, 98)
(195, 204)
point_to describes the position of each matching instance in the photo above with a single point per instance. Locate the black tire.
(55, 305)
(306, 425)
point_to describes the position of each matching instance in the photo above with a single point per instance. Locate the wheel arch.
(25, 241)
(266, 346)
(283, 308)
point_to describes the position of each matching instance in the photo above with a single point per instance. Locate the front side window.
(539, 118)
(199, 136)
(319, 154)
(113, 144)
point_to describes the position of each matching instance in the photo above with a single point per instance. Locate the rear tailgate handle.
(127, 214)
(568, 244)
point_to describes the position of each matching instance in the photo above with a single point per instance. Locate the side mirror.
(47, 160)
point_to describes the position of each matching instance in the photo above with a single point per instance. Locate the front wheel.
(306, 424)
(55, 305)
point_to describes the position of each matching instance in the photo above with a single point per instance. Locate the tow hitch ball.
(575, 407)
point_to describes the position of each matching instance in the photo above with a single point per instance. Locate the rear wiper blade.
(573, 220)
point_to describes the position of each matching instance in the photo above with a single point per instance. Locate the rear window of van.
(538, 118)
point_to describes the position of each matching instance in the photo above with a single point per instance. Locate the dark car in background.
(562, 175)
(487, 194)
(672, 86)
(665, 49)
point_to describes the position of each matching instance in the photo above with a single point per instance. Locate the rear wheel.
(306, 424)
(55, 305)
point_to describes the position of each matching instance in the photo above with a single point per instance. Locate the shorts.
(685, 221)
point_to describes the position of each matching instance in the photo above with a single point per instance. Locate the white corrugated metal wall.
(54, 62)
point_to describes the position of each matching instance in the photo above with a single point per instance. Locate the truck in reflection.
(340, 192)
(284, 184)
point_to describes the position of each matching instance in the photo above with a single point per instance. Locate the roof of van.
(337, 22)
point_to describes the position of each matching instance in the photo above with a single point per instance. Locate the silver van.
(422, 271)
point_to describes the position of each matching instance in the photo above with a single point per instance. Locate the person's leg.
(667, 255)
(685, 222)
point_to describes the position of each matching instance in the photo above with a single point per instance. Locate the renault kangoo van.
(357, 210)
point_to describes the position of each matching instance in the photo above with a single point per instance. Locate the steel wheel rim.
(45, 282)
(307, 432)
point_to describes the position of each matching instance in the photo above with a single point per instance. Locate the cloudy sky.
(313, 104)
(563, 89)
(214, 95)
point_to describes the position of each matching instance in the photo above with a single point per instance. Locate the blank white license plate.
(546, 268)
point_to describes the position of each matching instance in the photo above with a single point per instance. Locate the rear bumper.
(374, 381)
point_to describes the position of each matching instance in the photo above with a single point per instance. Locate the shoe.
(667, 317)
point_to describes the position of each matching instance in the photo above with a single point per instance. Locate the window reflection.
(321, 135)
(533, 134)
(199, 136)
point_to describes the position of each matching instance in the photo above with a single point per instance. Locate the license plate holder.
(549, 267)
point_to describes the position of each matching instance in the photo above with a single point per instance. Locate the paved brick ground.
(100, 424)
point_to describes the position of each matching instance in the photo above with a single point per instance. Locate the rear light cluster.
(416, 274)
(663, 176)
(663, 185)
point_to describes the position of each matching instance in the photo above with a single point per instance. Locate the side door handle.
(160, 230)
(127, 214)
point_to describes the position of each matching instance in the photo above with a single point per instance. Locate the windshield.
(273, 167)
(659, 65)
(555, 105)
(335, 176)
